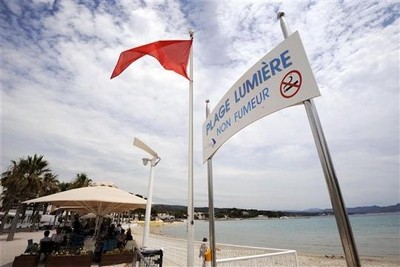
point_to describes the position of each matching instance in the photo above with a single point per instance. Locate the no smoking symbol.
(291, 84)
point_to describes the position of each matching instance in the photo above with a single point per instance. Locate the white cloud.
(58, 100)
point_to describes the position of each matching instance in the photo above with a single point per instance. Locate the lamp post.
(153, 162)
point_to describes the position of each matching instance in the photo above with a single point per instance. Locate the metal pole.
(148, 206)
(190, 219)
(342, 220)
(211, 217)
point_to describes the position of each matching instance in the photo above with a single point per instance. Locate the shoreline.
(307, 236)
(315, 259)
(11, 249)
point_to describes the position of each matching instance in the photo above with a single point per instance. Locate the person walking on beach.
(202, 252)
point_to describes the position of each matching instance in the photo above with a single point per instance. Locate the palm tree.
(11, 191)
(81, 180)
(36, 169)
(49, 185)
(22, 181)
(64, 186)
(10, 187)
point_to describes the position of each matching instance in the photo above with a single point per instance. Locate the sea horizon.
(375, 234)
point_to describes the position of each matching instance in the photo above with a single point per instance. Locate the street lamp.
(153, 162)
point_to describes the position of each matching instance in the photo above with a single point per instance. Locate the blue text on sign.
(265, 72)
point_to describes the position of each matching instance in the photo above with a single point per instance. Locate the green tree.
(64, 186)
(49, 185)
(80, 180)
(22, 181)
(9, 199)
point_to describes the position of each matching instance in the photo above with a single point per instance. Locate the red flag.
(172, 55)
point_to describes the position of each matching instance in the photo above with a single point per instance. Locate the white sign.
(280, 79)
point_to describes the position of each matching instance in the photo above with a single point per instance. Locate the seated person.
(110, 239)
(129, 235)
(46, 236)
(129, 240)
(58, 239)
(121, 237)
(118, 229)
(77, 226)
(46, 245)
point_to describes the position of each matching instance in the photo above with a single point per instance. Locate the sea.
(374, 234)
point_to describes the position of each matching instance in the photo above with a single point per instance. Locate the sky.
(57, 98)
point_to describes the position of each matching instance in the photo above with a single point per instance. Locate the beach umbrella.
(99, 200)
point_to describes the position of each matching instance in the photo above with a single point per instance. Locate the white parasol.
(100, 200)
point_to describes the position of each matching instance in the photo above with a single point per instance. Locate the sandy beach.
(337, 261)
(11, 249)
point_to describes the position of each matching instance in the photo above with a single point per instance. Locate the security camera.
(145, 161)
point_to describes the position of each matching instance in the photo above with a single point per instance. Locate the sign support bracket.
(342, 220)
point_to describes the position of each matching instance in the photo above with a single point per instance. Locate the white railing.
(227, 255)
(234, 255)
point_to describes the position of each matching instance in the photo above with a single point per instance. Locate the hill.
(180, 211)
(371, 209)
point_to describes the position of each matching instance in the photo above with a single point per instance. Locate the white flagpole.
(190, 219)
